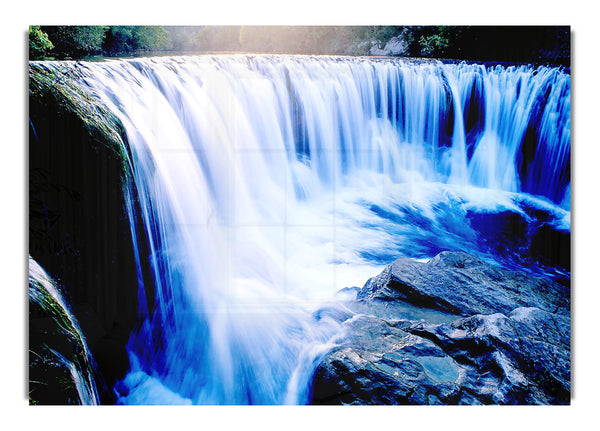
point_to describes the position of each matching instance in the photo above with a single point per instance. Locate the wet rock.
(523, 358)
(552, 246)
(79, 229)
(458, 283)
(60, 369)
(512, 345)
(382, 364)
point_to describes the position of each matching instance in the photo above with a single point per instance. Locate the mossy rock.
(79, 226)
(56, 90)
(57, 348)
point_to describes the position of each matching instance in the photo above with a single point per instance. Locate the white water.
(266, 184)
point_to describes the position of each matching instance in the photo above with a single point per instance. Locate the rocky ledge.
(453, 330)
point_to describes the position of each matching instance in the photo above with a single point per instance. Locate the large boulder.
(380, 363)
(462, 284)
(453, 330)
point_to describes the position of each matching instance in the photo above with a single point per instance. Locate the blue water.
(267, 183)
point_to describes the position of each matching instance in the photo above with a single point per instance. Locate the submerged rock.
(490, 336)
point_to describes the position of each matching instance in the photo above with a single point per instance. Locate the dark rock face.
(61, 371)
(483, 335)
(553, 246)
(464, 285)
(79, 229)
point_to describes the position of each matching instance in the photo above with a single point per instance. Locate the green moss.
(56, 89)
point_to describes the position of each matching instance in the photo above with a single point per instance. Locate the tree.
(127, 39)
(76, 41)
(151, 38)
(39, 44)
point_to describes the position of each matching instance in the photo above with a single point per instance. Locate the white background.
(582, 16)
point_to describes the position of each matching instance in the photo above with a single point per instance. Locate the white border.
(585, 146)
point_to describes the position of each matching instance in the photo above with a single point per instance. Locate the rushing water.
(267, 183)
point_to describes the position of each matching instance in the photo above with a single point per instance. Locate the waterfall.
(267, 183)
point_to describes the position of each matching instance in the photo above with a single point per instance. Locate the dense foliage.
(490, 43)
(39, 44)
(76, 41)
(83, 41)
(124, 39)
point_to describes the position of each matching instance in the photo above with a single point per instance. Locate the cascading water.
(267, 183)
